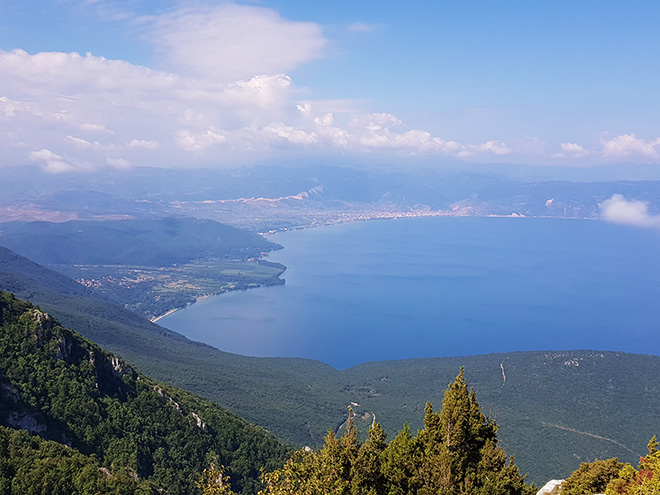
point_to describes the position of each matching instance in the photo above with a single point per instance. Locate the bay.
(443, 286)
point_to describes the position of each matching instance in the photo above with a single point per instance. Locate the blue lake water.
(443, 286)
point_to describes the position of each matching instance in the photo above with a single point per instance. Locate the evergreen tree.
(399, 463)
(459, 449)
(455, 454)
(642, 481)
(366, 472)
(591, 477)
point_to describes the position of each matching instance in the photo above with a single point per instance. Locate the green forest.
(113, 420)
(75, 419)
(456, 452)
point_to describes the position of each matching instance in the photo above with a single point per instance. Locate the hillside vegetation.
(127, 433)
(455, 453)
(148, 266)
(556, 409)
(130, 242)
(75, 419)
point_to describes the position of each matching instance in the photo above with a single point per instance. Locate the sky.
(90, 84)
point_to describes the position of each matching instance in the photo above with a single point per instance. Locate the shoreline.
(406, 215)
(155, 319)
(174, 310)
(355, 219)
(205, 296)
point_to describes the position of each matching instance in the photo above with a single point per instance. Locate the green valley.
(149, 266)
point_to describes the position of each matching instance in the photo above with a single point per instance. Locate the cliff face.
(56, 384)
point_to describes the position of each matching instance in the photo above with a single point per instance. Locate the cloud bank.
(221, 96)
(68, 112)
(619, 210)
(629, 146)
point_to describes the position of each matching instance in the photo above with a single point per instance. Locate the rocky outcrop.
(552, 487)
(26, 422)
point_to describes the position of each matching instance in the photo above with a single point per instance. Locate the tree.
(459, 449)
(366, 472)
(214, 481)
(642, 481)
(592, 477)
(455, 454)
(399, 463)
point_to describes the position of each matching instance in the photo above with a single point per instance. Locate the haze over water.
(443, 286)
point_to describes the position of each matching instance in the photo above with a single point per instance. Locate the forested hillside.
(127, 432)
(556, 409)
(130, 242)
(148, 266)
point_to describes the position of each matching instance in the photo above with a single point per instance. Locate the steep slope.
(29, 465)
(64, 388)
(556, 409)
(276, 393)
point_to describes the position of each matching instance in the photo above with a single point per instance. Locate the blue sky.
(86, 84)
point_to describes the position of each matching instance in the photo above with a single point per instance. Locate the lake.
(443, 286)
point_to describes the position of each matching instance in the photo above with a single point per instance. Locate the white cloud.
(291, 134)
(201, 141)
(51, 162)
(225, 98)
(92, 110)
(335, 137)
(375, 121)
(229, 42)
(571, 150)
(92, 145)
(619, 210)
(325, 120)
(118, 162)
(494, 146)
(44, 155)
(630, 147)
(96, 128)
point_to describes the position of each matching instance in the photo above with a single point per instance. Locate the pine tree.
(399, 463)
(455, 454)
(366, 472)
(452, 440)
(459, 449)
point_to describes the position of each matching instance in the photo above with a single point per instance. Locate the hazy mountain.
(264, 198)
(130, 242)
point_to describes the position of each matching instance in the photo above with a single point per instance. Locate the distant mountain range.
(154, 242)
(265, 198)
(555, 409)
